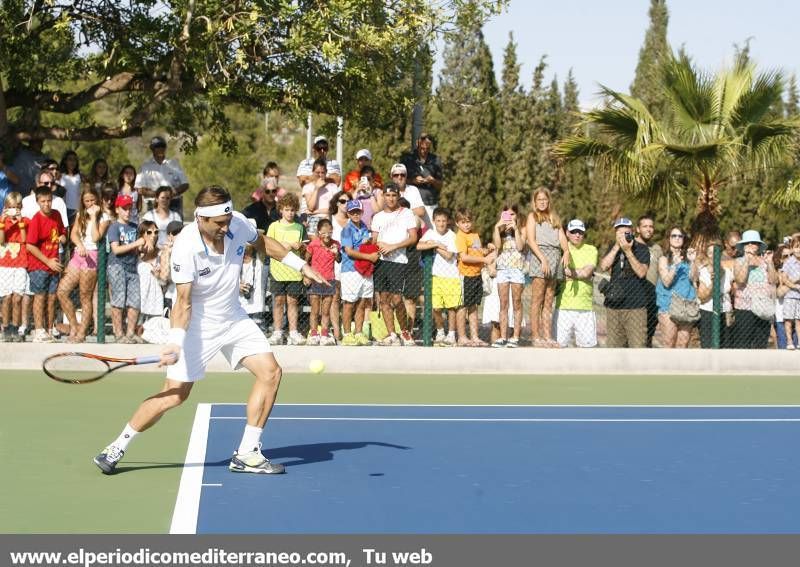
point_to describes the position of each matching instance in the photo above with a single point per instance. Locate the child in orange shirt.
(472, 256)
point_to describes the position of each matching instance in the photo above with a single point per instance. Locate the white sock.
(250, 439)
(125, 437)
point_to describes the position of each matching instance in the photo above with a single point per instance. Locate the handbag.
(683, 310)
(763, 307)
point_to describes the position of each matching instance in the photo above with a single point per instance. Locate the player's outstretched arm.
(276, 251)
(179, 322)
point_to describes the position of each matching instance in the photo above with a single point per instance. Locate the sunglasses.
(580, 232)
(321, 148)
(269, 191)
(676, 236)
(343, 201)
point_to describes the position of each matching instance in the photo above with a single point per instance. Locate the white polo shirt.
(154, 175)
(392, 228)
(214, 277)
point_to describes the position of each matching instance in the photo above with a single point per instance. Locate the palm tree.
(720, 128)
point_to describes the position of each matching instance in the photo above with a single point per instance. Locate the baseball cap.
(157, 142)
(622, 221)
(123, 201)
(354, 205)
(319, 139)
(174, 227)
(576, 224)
(398, 168)
(364, 153)
(391, 188)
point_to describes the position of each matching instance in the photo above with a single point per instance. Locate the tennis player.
(207, 318)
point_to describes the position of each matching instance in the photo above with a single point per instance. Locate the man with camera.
(625, 293)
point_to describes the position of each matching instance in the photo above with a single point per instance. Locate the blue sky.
(600, 41)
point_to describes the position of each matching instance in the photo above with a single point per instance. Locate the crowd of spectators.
(368, 236)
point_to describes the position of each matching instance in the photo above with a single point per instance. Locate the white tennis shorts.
(580, 323)
(13, 280)
(355, 287)
(236, 341)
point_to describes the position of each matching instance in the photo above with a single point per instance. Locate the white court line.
(187, 503)
(219, 484)
(526, 419)
(734, 406)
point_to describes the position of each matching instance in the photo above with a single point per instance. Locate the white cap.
(364, 153)
(576, 224)
(398, 168)
(319, 139)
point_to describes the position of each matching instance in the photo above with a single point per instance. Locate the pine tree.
(514, 128)
(645, 83)
(467, 125)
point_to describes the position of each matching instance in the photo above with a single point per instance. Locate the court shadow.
(140, 466)
(313, 453)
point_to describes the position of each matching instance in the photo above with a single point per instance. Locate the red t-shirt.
(354, 176)
(44, 233)
(322, 259)
(13, 253)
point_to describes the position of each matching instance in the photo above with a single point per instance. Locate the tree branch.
(88, 134)
(61, 102)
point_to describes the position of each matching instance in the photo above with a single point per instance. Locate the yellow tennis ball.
(316, 366)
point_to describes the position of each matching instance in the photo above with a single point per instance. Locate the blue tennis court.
(498, 469)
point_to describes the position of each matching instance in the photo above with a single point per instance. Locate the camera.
(629, 236)
(506, 216)
(248, 292)
(12, 212)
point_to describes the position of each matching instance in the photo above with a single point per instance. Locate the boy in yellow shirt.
(472, 256)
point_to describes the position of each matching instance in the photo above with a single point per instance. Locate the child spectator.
(173, 229)
(162, 215)
(322, 253)
(286, 284)
(446, 287)
(125, 184)
(356, 280)
(253, 285)
(88, 229)
(151, 292)
(790, 277)
(123, 278)
(45, 233)
(509, 240)
(472, 256)
(13, 264)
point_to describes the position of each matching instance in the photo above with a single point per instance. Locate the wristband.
(175, 336)
(293, 261)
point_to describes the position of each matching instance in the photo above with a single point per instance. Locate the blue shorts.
(43, 281)
(321, 289)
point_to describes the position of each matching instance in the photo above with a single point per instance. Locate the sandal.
(463, 343)
(479, 343)
(550, 343)
(539, 343)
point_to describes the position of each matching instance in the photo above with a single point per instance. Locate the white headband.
(214, 210)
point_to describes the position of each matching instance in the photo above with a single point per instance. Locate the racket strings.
(75, 368)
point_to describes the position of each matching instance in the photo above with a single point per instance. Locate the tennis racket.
(83, 367)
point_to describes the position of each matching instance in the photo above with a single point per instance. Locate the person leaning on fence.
(46, 234)
(151, 290)
(322, 253)
(754, 300)
(358, 263)
(645, 229)
(625, 294)
(446, 283)
(286, 284)
(13, 264)
(472, 257)
(88, 229)
(339, 220)
(790, 278)
(549, 254)
(704, 270)
(394, 229)
(675, 285)
(574, 303)
(508, 239)
(123, 279)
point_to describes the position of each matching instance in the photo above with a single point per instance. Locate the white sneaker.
(41, 336)
(327, 340)
(440, 336)
(276, 338)
(295, 338)
(391, 340)
(313, 340)
(23, 330)
(55, 333)
(450, 340)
